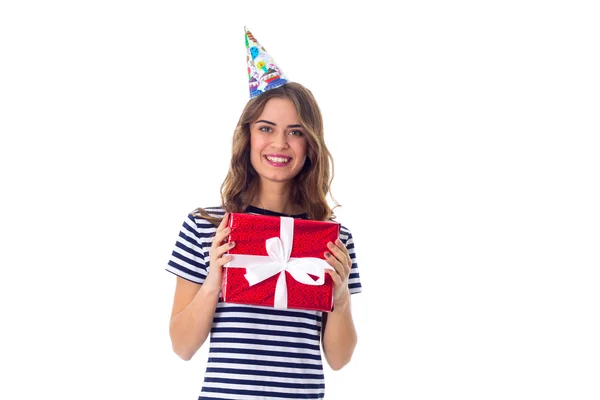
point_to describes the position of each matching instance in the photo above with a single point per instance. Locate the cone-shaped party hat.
(263, 73)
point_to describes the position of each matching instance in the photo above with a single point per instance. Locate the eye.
(296, 133)
(264, 129)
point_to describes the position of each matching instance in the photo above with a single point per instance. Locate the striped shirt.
(255, 352)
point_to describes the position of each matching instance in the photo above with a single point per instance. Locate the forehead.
(280, 111)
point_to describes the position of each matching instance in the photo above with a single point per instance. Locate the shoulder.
(204, 218)
(215, 212)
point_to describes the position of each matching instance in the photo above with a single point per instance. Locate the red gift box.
(264, 271)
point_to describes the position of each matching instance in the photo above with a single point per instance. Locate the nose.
(279, 141)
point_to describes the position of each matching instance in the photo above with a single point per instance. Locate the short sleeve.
(187, 258)
(354, 279)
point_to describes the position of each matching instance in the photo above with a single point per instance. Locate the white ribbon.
(279, 249)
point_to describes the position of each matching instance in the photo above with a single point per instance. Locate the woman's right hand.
(217, 259)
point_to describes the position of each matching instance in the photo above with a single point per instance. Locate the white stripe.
(245, 335)
(269, 317)
(209, 230)
(265, 378)
(265, 326)
(205, 241)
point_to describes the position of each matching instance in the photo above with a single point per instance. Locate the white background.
(465, 139)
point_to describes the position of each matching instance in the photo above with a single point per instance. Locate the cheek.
(256, 145)
(256, 148)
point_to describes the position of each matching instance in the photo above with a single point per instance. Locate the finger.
(337, 280)
(220, 237)
(339, 254)
(217, 251)
(223, 260)
(225, 248)
(223, 223)
(335, 263)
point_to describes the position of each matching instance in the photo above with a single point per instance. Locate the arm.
(194, 304)
(191, 320)
(339, 334)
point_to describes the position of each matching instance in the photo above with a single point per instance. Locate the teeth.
(278, 159)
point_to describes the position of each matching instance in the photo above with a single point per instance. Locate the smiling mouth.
(279, 160)
(275, 161)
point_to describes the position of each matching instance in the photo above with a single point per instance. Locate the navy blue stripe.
(264, 373)
(189, 228)
(188, 260)
(210, 398)
(266, 322)
(354, 285)
(265, 332)
(267, 383)
(280, 343)
(201, 397)
(271, 311)
(187, 271)
(352, 276)
(264, 363)
(265, 353)
(264, 394)
(204, 235)
(189, 249)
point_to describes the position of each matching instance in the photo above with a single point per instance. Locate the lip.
(275, 164)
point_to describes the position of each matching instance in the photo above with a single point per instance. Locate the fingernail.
(231, 244)
(329, 244)
(327, 254)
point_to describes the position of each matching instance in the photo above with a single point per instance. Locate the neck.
(276, 197)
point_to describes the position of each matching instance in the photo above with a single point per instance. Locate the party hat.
(263, 73)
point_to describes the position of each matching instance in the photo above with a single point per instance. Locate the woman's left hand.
(340, 260)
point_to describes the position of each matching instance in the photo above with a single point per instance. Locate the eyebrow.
(274, 124)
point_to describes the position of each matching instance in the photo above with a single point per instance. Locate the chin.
(277, 177)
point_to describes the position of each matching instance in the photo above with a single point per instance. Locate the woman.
(279, 166)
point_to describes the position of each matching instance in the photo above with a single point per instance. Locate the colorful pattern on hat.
(263, 73)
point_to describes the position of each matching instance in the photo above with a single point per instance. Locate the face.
(277, 142)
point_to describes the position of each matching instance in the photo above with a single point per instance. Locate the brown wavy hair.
(311, 185)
